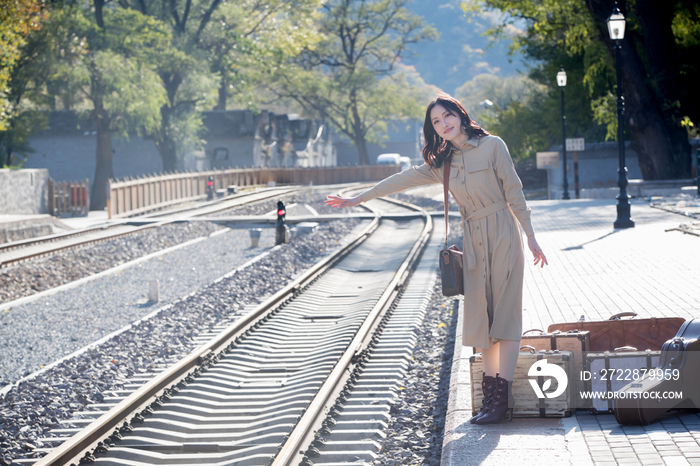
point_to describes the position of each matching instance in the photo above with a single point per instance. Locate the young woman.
(489, 194)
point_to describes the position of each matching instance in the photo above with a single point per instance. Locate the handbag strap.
(446, 185)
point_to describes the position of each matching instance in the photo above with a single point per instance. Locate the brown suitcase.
(643, 334)
(644, 400)
(578, 342)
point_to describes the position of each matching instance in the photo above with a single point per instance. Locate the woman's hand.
(335, 201)
(536, 251)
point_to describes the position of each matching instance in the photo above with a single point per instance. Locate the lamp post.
(561, 80)
(616, 28)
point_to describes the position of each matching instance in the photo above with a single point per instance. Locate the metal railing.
(68, 197)
(132, 197)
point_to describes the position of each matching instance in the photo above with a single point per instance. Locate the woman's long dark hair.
(436, 148)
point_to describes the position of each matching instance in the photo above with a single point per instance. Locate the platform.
(594, 271)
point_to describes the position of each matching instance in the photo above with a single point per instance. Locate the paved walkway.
(594, 271)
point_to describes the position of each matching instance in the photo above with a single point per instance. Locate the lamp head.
(561, 78)
(616, 24)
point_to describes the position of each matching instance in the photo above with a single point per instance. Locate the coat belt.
(469, 254)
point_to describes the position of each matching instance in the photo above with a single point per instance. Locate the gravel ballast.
(35, 406)
(33, 276)
(37, 333)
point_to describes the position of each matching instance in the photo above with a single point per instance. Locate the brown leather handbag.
(643, 334)
(451, 271)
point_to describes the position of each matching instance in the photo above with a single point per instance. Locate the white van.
(389, 159)
(405, 163)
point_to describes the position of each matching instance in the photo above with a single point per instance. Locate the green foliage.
(120, 71)
(559, 33)
(17, 19)
(500, 91)
(563, 32)
(351, 75)
(131, 92)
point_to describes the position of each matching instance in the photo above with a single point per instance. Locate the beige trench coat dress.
(489, 194)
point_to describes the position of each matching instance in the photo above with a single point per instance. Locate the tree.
(650, 81)
(40, 74)
(350, 77)
(119, 81)
(17, 19)
(557, 30)
(210, 40)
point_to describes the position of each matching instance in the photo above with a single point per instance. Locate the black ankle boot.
(501, 404)
(488, 387)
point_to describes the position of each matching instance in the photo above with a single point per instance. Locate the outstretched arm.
(409, 178)
(337, 201)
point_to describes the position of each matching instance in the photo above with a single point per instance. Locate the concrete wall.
(67, 147)
(597, 167)
(23, 192)
(71, 158)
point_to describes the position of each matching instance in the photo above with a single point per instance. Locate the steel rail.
(291, 452)
(76, 446)
(64, 236)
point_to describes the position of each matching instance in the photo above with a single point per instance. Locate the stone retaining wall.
(23, 192)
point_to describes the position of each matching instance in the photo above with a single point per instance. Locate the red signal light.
(210, 183)
(281, 212)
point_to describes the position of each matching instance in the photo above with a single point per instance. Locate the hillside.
(461, 52)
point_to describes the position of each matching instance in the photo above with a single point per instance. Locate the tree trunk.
(165, 143)
(362, 150)
(99, 18)
(103, 166)
(660, 142)
(359, 132)
(221, 105)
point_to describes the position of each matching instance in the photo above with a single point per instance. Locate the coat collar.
(470, 142)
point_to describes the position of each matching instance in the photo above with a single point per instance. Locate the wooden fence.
(68, 197)
(132, 197)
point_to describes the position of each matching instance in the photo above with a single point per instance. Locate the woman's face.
(447, 124)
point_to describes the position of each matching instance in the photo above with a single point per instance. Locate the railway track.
(18, 251)
(271, 385)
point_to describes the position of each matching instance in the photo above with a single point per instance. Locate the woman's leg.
(508, 353)
(491, 359)
(501, 403)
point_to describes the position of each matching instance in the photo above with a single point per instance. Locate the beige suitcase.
(554, 365)
(578, 342)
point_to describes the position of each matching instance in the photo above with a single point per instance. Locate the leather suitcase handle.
(625, 349)
(623, 314)
(534, 330)
(528, 347)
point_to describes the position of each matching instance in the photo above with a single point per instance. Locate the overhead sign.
(575, 144)
(547, 160)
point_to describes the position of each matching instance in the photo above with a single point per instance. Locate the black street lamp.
(561, 80)
(616, 28)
